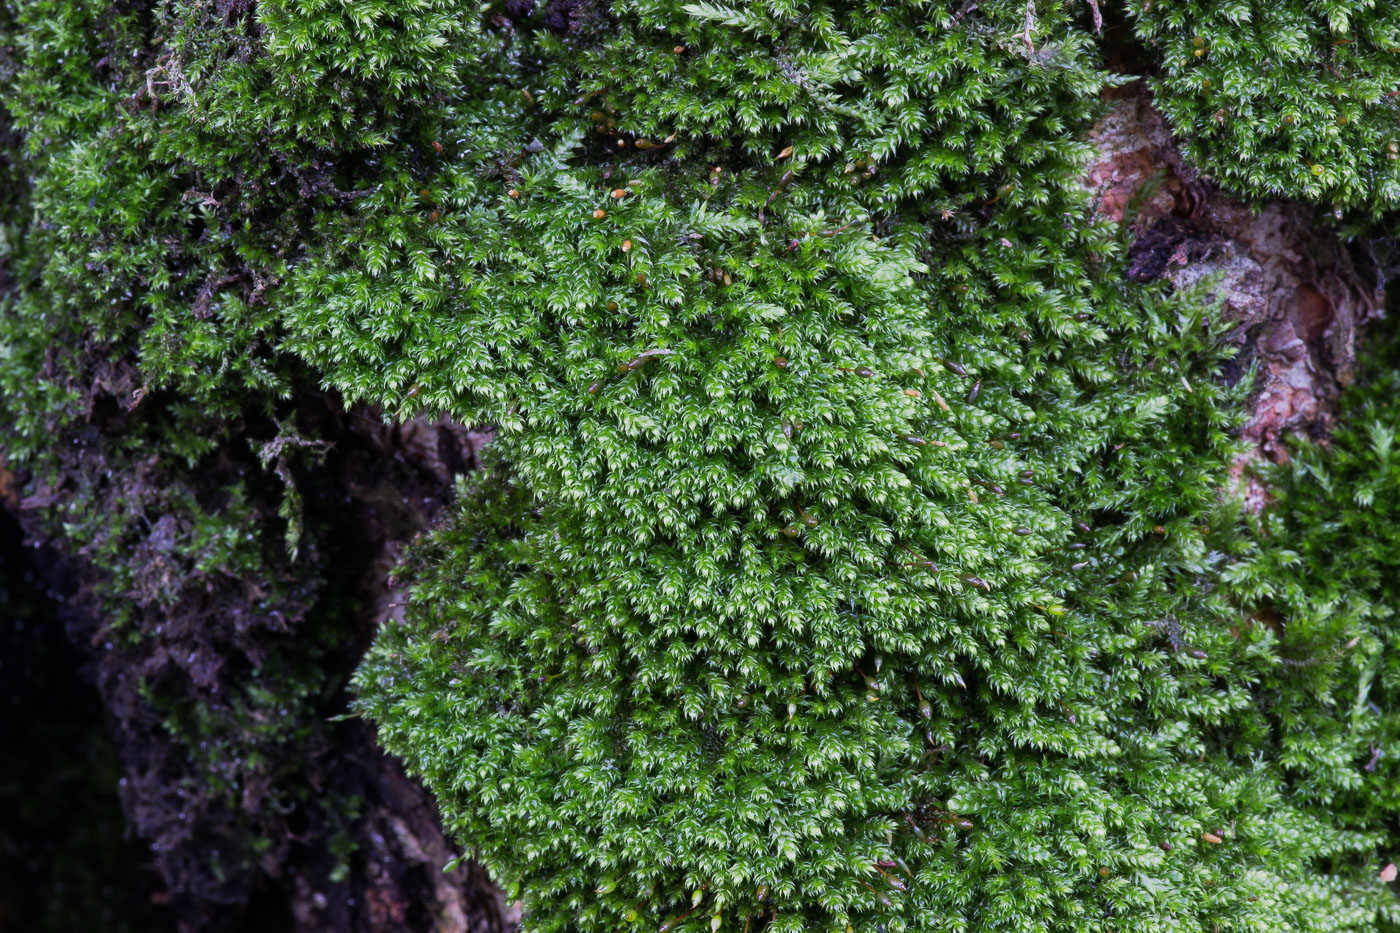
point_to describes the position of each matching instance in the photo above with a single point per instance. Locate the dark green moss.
(1321, 570)
(151, 421)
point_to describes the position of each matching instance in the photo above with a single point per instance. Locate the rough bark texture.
(386, 482)
(1298, 295)
(66, 862)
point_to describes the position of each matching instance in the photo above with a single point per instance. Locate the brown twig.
(1098, 17)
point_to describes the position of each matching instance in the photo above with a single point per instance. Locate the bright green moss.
(288, 79)
(1292, 99)
(689, 680)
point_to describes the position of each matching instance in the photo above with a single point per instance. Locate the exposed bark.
(384, 484)
(1298, 294)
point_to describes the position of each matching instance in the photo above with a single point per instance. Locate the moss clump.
(777, 612)
(1320, 569)
(847, 563)
(1293, 99)
(149, 416)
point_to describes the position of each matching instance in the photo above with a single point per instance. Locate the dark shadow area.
(66, 860)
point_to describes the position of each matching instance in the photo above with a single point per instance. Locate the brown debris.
(1297, 293)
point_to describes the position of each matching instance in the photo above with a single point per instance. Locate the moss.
(1320, 570)
(691, 681)
(1283, 100)
(853, 556)
(150, 417)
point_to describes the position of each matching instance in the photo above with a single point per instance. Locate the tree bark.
(374, 860)
(1298, 296)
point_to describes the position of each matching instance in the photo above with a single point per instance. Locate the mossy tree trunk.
(342, 840)
(221, 220)
(262, 825)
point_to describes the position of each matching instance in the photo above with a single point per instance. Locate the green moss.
(847, 561)
(692, 674)
(1293, 99)
(141, 383)
(1321, 570)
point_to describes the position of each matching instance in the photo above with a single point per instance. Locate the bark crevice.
(1298, 295)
